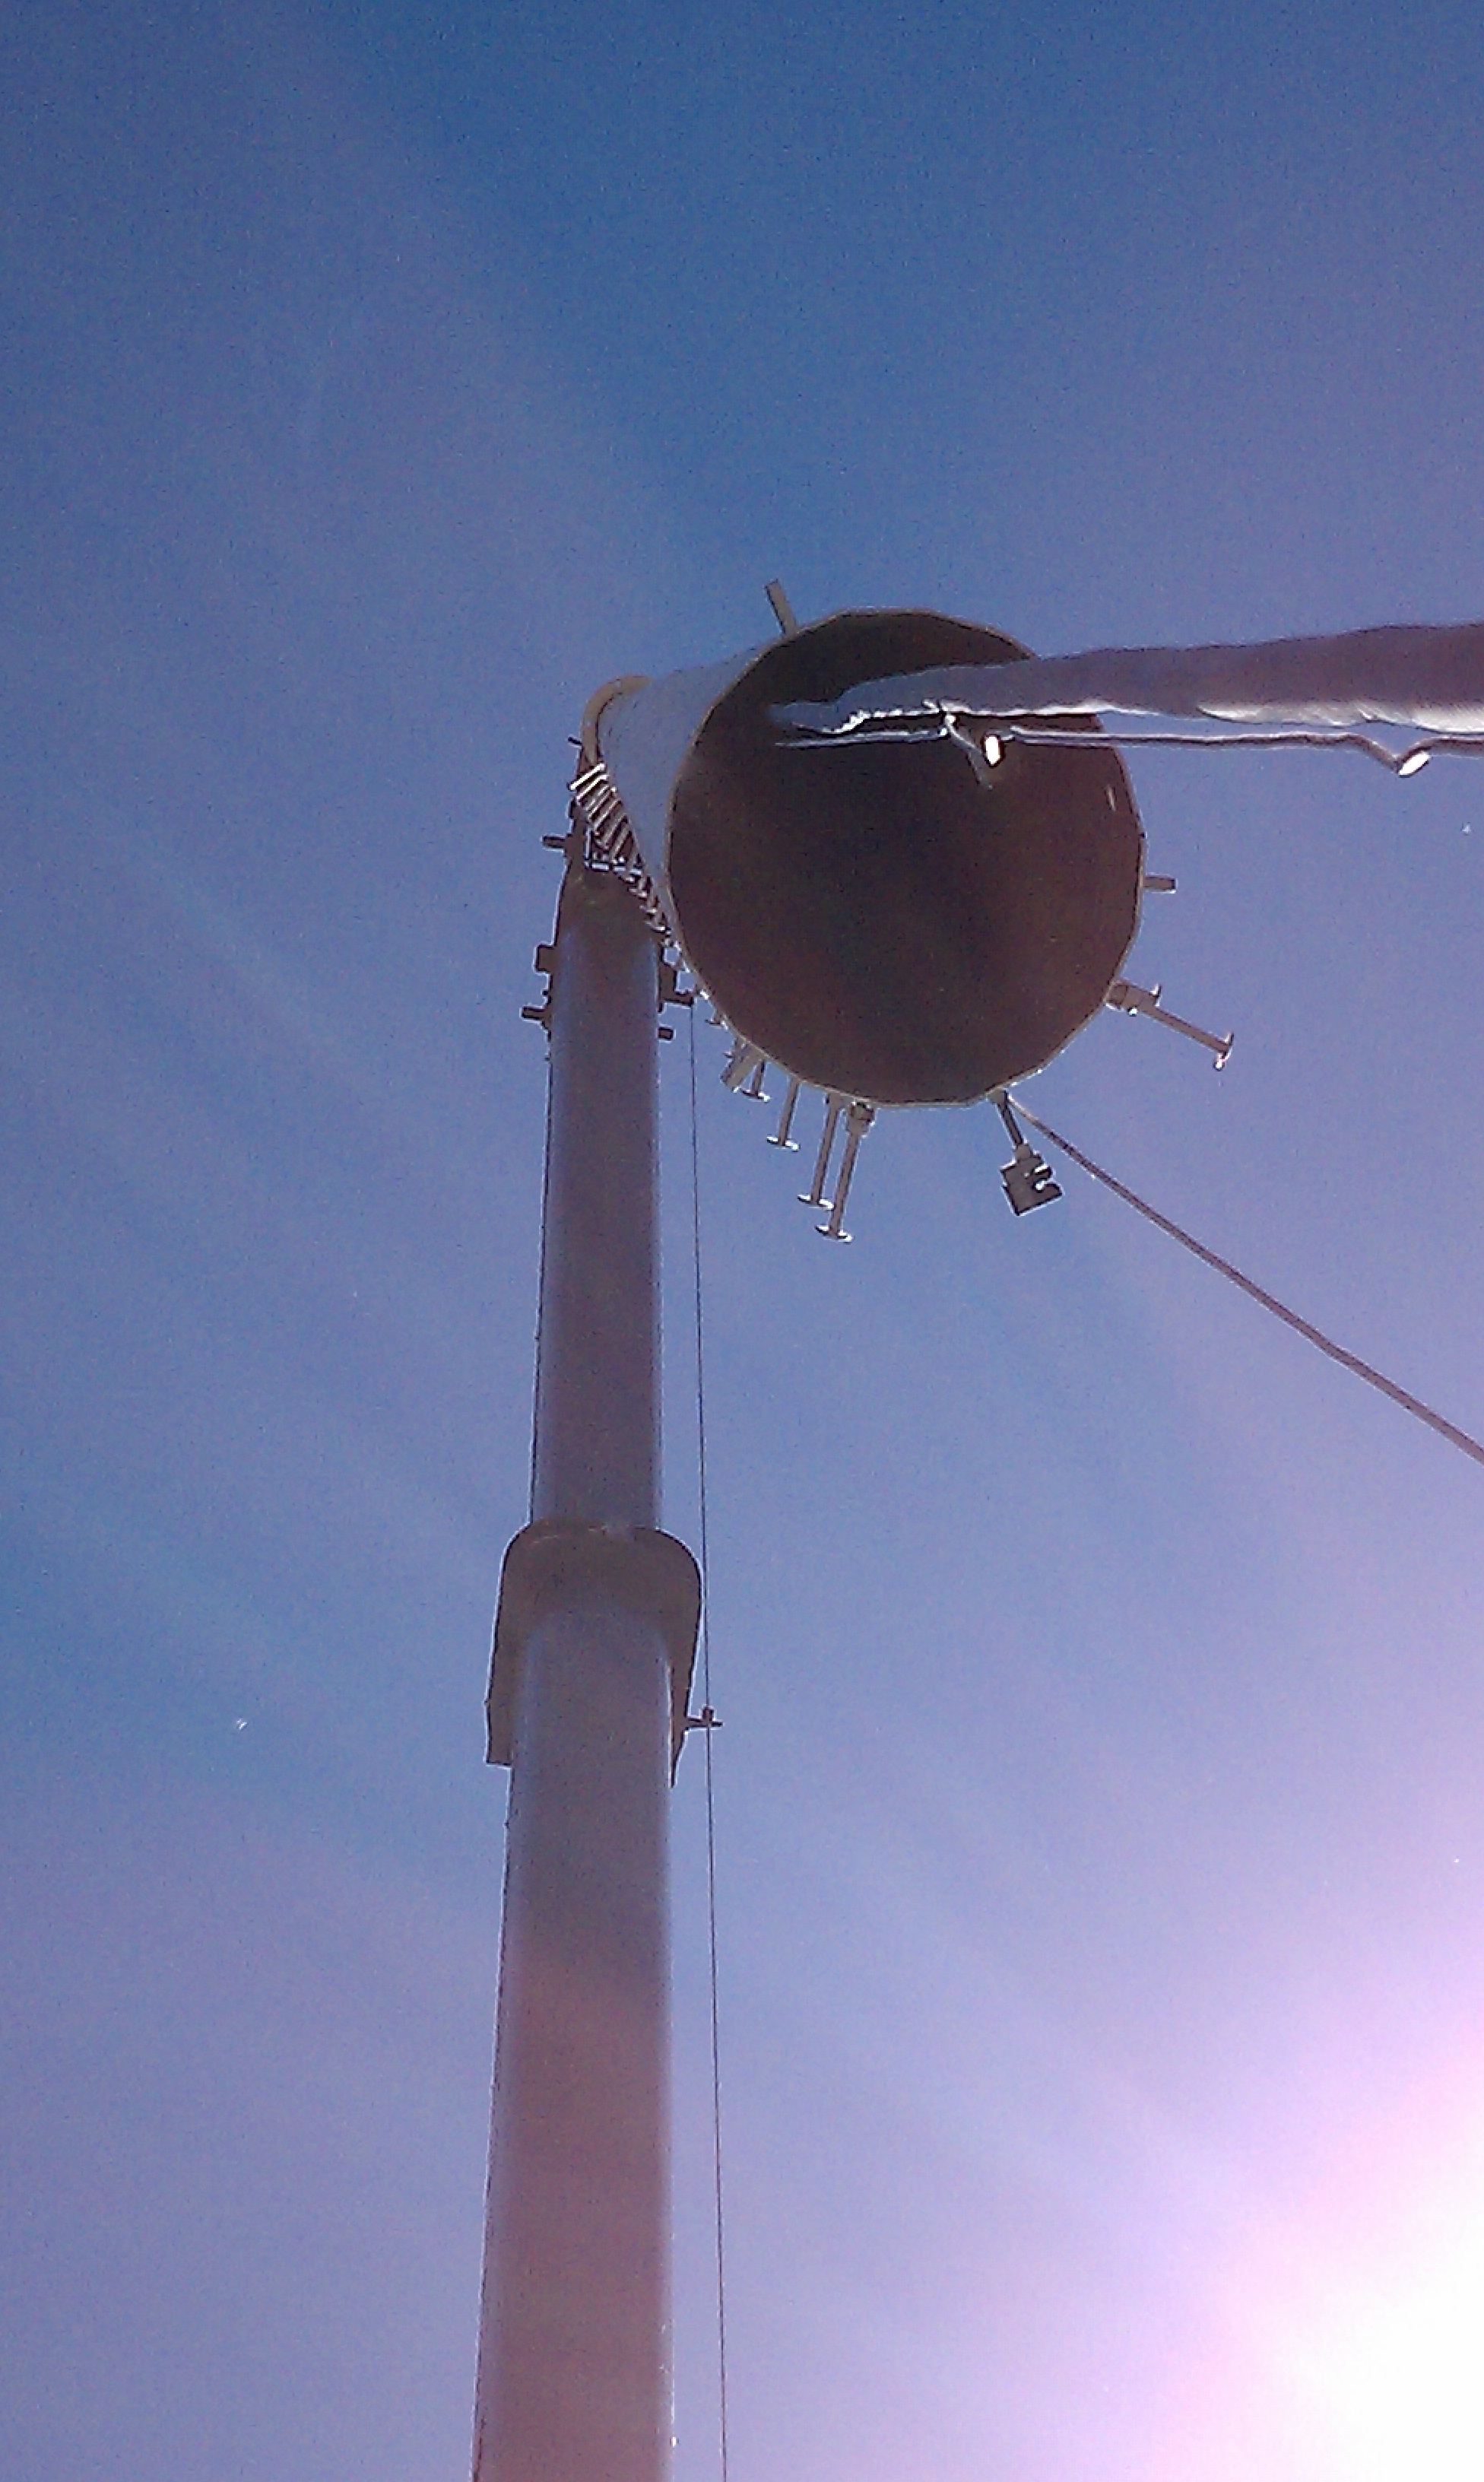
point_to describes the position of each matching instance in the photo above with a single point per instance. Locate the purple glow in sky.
(1102, 1792)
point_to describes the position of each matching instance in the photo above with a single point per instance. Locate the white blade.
(1433, 677)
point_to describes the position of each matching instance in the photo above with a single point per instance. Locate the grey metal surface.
(597, 1422)
(574, 2362)
(573, 2377)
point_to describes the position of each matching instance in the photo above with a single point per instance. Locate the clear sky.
(1102, 1791)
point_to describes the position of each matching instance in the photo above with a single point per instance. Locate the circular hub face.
(872, 916)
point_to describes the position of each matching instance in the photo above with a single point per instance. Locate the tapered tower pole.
(593, 1650)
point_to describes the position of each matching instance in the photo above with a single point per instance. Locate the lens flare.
(1395, 2380)
(1354, 2335)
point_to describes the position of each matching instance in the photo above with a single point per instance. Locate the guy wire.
(708, 1735)
(1409, 1404)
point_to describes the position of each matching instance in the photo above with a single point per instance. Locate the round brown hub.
(872, 916)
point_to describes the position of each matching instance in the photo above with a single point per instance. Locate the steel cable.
(708, 1735)
(1409, 1404)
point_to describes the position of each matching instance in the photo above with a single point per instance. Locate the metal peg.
(780, 1136)
(858, 1121)
(783, 609)
(814, 1195)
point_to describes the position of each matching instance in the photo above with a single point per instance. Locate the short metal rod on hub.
(591, 1662)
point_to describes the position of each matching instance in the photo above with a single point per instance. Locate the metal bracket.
(557, 1562)
(1135, 1002)
(671, 993)
(1029, 1180)
(744, 1071)
(539, 1013)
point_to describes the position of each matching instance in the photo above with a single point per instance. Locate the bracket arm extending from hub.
(1029, 1180)
(1135, 1002)
(745, 1070)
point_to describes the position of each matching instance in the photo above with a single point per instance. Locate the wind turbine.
(903, 860)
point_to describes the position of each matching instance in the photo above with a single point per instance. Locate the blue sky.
(1101, 1792)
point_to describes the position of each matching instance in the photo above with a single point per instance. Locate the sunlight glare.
(1392, 2374)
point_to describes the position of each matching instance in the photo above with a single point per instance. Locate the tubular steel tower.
(866, 932)
(593, 1647)
(905, 862)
